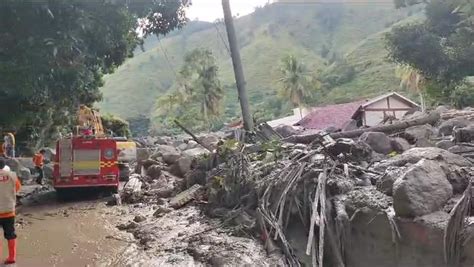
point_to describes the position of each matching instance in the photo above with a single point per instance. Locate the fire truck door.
(65, 157)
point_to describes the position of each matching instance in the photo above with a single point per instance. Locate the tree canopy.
(53, 53)
(198, 102)
(441, 48)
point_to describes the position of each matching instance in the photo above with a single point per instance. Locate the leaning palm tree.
(294, 81)
(412, 80)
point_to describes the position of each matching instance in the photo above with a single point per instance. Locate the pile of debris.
(391, 195)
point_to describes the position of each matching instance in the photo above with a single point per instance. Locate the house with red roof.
(365, 113)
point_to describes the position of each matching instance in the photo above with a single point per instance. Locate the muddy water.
(77, 233)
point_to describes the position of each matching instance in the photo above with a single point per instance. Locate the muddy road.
(73, 233)
(85, 232)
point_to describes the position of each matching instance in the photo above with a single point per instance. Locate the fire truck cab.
(90, 160)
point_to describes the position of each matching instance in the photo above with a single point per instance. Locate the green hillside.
(316, 34)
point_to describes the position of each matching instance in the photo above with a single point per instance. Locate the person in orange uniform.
(9, 186)
(38, 160)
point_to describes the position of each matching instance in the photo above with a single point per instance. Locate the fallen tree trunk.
(430, 118)
(195, 138)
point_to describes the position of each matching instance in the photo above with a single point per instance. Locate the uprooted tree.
(53, 54)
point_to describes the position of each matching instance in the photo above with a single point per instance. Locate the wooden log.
(430, 118)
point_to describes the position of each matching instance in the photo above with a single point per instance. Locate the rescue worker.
(9, 186)
(9, 145)
(38, 160)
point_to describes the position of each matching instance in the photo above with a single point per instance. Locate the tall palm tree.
(294, 81)
(412, 80)
(201, 82)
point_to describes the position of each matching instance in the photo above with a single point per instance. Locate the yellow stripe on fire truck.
(108, 164)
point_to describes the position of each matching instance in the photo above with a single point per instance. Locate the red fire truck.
(91, 160)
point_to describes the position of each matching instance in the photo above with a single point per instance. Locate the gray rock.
(171, 158)
(154, 171)
(142, 154)
(379, 142)
(191, 144)
(26, 162)
(442, 109)
(286, 130)
(196, 152)
(24, 174)
(183, 147)
(460, 149)
(350, 126)
(209, 141)
(139, 218)
(446, 127)
(385, 183)
(163, 140)
(445, 144)
(419, 133)
(399, 144)
(423, 189)
(416, 154)
(181, 166)
(463, 135)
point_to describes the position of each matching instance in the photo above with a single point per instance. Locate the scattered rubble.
(390, 195)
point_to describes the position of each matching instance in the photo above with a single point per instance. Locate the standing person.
(38, 160)
(9, 186)
(9, 145)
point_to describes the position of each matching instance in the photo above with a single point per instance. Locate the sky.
(210, 10)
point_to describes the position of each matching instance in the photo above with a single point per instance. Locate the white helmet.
(6, 168)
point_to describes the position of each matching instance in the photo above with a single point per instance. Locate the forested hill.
(342, 41)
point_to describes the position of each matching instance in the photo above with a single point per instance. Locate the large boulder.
(143, 154)
(445, 144)
(24, 174)
(420, 135)
(379, 142)
(424, 188)
(196, 152)
(181, 166)
(154, 171)
(452, 165)
(385, 183)
(446, 127)
(26, 162)
(209, 141)
(169, 154)
(464, 135)
(416, 154)
(399, 144)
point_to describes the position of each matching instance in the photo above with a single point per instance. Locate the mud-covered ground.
(85, 232)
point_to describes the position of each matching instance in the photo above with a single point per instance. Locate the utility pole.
(236, 62)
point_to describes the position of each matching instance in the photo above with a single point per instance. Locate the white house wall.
(374, 113)
(373, 118)
(396, 103)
